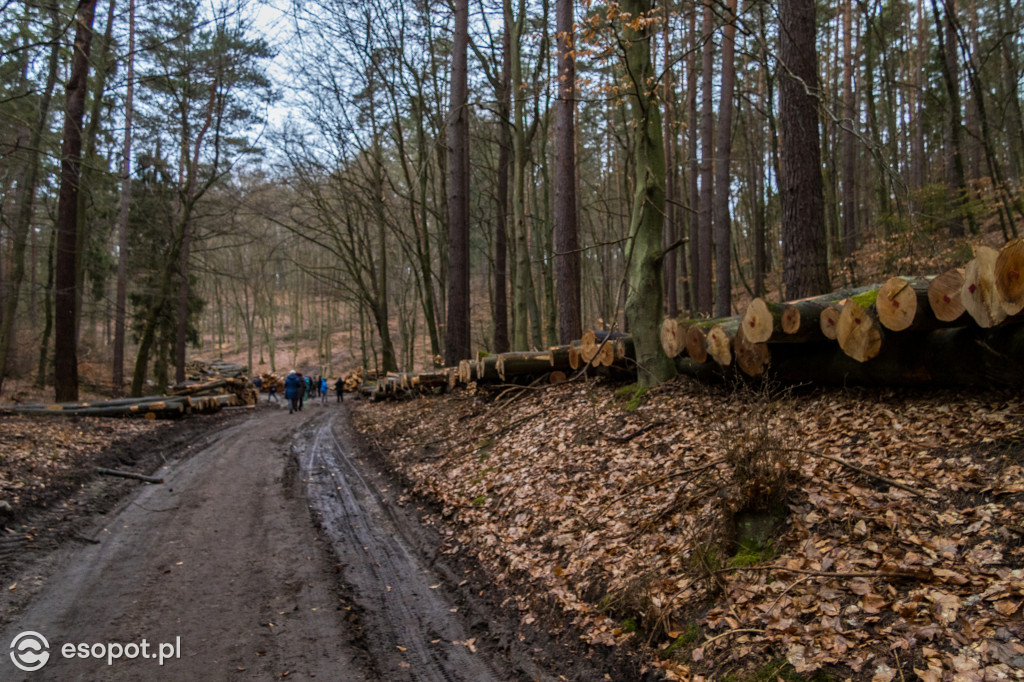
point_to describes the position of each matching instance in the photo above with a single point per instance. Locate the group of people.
(299, 388)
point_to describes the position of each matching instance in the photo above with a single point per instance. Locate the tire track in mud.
(411, 630)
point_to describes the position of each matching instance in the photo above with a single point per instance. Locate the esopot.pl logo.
(29, 651)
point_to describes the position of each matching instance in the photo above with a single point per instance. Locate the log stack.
(213, 380)
(215, 385)
(149, 407)
(959, 328)
(963, 327)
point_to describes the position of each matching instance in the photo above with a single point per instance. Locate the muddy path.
(275, 551)
(413, 630)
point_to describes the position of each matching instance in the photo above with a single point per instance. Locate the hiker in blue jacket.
(292, 391)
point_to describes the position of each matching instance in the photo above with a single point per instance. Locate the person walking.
(293, 389)
(339, 388)
(272, 390)
(323, 390)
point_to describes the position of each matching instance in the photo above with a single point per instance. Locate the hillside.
(730, 534)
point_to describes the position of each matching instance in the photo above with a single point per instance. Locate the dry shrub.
(758, 453)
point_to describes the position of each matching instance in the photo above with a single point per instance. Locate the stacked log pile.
(149, 407)
(213, 392)
(353, 380)
(214, 385)
(961, 328)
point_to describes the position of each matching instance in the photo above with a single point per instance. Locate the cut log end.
(1009, 275)
(588, 345)
(857, 333)
(752, 358)
(719, 345)
(896, 304)
(673, 337)
(979, 295)
(944, 295)
(758, 322)
(829, 321)
(791, 319)
(696, 344)
(465, 372)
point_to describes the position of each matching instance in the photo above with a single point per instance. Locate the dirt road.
(274, 552)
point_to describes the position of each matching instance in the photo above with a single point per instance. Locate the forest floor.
(729, 533)
(275, 548)
(576, 532)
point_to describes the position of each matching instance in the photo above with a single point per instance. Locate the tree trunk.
(723, 178)
(644, 299)
(120, 304)
(705, 215)
(671, 228)
(805, 264)
(501, 338)
(957, 185)
(693, 188)
(457, 335)
(44, 340)
(567, 254)
(849, 135)
(103, 66)
(181, 330)
(66, 346)
(523, 290)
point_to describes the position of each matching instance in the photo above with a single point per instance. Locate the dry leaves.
(39, 455)
(864, 577)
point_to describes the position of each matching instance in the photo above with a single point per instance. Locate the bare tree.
(28, 183)
(567, 254)
(66, 342)
(705, 218)
(120, 304)
(723, 176)
(457, 339)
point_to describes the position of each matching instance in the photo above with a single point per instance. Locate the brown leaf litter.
(893, 546)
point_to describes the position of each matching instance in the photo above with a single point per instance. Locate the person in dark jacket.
(339, 388)
(293, 390)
